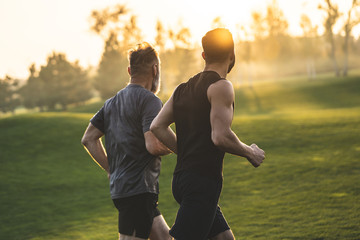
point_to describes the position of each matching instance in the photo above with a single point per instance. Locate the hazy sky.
(31, 29)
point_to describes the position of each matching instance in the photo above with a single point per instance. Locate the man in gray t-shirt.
(132, 152)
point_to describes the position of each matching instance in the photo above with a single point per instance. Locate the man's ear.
(232, 56)
(203, 55)
(154, 70)
(129, 70)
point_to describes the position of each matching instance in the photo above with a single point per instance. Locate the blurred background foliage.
(264, 50)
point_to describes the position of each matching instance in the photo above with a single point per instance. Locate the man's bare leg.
(226, 235)
(127, 237)
(160, 229)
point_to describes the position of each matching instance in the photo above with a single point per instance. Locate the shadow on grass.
(333, 93)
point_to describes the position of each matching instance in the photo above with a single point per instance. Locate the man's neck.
(220, 68)
(144, 82)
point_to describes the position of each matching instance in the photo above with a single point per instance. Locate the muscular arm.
(221, 97)
(161, 126)
(154, 146)
(92, 143)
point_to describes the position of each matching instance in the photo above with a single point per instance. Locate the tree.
(64, 82)
(160, 39)
(217, 23)
(309, 41)
(131, 33)
(244, 53)
(270, 31)
(277, 25)
(176, 54)
(106, 21)
(8, 94)
(350, 22)
(33, 93)
(111, 75)
(332, 11)
(271, 43)
(59, 82)
(119, 31)
(181, 59)
(160, 42)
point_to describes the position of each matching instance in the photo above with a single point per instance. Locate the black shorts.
(136, 213)
(199, 216)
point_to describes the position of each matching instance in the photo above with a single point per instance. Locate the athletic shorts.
(199, 216)
(136, 213)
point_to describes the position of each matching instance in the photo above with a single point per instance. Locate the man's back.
(126, 117)
(196, 151)
(199, 216)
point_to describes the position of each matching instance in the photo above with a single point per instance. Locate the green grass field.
(307, 188)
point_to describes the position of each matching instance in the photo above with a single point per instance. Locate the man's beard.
(231, 65)
(155, 85)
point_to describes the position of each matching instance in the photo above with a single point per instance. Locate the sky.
(30, 30)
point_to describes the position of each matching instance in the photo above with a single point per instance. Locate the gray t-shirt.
(124, 119)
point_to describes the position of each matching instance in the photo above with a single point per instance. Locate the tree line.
(263, 49)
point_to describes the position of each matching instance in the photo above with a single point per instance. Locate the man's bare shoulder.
(221, 89)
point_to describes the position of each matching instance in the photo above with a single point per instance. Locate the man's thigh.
(219, 227)
(136, 215)
(198, 197)
(159, 231)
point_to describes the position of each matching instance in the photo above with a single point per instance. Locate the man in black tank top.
(202, 109)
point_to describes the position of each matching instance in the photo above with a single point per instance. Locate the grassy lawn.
(307, 188)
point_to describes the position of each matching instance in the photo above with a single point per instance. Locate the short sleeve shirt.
(124, 119)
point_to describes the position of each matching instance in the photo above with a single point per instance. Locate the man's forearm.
(230, 143)
(97, 152)
(167, 137)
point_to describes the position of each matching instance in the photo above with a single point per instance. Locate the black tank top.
(196, 151)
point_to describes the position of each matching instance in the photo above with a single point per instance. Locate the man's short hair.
(142, 58)
(217, 45)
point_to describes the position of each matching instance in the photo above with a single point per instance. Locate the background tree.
(59, 82)
(120, 32)
(277, 31)
(309, 44)
(271, 40)
(64, 82)
(217, 23)
(332, 11)
(111, 75)
(8, 94)
(33, 92)
(181, 58)
(244, 54)
(131, 33)
(107, 21)
(350, 22)
(270, 32)
(160, 43)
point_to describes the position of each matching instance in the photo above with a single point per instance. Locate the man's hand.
(257, 156)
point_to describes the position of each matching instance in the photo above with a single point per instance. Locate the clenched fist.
(257, 155)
